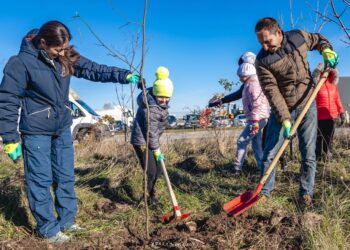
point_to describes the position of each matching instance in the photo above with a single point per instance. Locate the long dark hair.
(56, 33)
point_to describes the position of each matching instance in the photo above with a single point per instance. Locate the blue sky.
(199, 41)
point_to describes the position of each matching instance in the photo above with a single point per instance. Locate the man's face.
(270, 42)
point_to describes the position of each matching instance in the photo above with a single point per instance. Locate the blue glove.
(330, 58)
(13, 150)
(286, 129)
(134, 79)
(158, 155)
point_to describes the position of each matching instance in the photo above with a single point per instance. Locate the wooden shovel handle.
(294, 127)
(170, 189)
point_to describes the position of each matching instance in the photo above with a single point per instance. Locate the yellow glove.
(330, 58)
(13, 150)
(158, 155)
(286, 128)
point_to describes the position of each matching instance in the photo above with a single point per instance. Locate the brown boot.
(305, 201)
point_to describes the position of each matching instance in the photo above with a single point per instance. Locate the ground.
(110, 183)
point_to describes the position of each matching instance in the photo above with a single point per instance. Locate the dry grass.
(109, 183)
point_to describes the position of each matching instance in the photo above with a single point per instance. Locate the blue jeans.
(243, 141)
(49, 162)
(307, 134)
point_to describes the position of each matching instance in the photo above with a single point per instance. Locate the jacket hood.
(27, 45)
(333, 76)
(151, 100)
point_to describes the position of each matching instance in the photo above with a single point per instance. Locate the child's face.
(162, 100)
(243, 78)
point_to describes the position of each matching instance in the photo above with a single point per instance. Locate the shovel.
(177, 215)
(248, 199)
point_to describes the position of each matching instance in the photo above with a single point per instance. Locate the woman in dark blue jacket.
(36, 82)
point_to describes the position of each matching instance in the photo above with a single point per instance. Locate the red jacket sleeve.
(338, 102)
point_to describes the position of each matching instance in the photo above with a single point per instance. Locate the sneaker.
(74, 229)
(59, 238)
(153, 201)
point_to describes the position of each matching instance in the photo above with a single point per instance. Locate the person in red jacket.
(329, 109)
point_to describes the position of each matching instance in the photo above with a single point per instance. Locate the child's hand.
(254, 129)
(158, 155)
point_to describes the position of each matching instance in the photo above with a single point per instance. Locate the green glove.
(330, 58)
(159, 156)
(13, 150)
(134, 79)
(286, 128)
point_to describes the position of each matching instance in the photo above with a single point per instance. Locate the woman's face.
(162, 100)
(54, 51)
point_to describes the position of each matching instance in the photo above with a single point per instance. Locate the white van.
(85, 119)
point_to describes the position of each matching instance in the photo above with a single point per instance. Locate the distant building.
(118, 113)
(344, 91)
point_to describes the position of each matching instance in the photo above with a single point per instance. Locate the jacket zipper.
(39, 111)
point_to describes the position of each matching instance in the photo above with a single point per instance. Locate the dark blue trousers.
(49, 162)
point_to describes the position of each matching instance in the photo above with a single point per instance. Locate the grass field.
(109, 184)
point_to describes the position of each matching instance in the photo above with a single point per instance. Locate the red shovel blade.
(244, 206)
(243, 202)
(172, 218)
(243, 198)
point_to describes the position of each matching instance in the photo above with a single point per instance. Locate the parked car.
(172, 121)
(192, 121)
(221, 121)
(239, 120)
(180, 123)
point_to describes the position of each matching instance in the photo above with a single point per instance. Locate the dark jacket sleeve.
(270, 88)
(12, 90)
(154, 131)
(234, 96)
(84, 68)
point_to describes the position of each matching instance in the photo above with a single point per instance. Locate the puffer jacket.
(35, 83)
(158, 120)
(285, 75)
(255, 105)
(328, 102)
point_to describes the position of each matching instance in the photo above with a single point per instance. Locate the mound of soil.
(278, 231)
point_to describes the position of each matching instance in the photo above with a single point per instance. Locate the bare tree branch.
(291, 13)
(340, 21)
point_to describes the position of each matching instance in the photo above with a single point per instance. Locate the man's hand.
(254, 129)
(134, 79)
(158, 155)
(13, 150)
(286, 128)
(330, 58)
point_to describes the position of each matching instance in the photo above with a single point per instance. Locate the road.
(187, 134)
